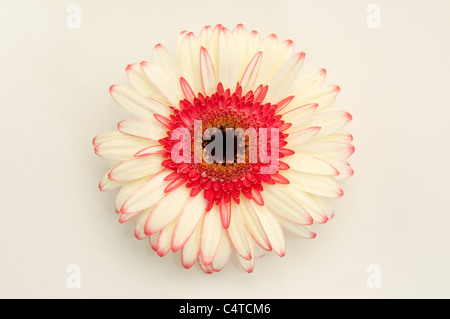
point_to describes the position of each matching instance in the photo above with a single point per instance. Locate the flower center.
(231, 146)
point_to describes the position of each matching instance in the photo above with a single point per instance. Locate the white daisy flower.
(213, 197)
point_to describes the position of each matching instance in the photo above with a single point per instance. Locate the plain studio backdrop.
(390, 235)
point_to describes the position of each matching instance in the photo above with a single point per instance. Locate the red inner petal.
(221, 182)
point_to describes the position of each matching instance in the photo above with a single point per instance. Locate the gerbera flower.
(211, 207)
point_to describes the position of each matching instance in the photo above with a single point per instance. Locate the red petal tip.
(349, 118)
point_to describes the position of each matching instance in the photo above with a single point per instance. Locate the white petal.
(136, 168)
(137, 104)
(106, 136)
(223, 253)
(187, 222)
(283, 204)
(241, 38)
(307, 202)
(151, 150)
(162, 58)
(211, 235)
(207, 71)
(272, 228)
(284, 53)
(257, 251)
(329, 122)
(315, 184)
(180, 40)
(345, 170)
(167, 83)
(324, 96)
(310, 164)
(191, 250)
(284, 77)
(126, 217)
(251, 73)
(269, 47)
(325, 205)
(147, 195)
(335, 150)
(213, 46)
(298, 112)
(302, 136)
(338, 136)
(106, 184)
(141, 82)
(187, 90)
(237, 233)
(228, 70)
(142, 129)
(140, 223)
(205, 36)
(121, 149)
(308, 82)
(299, 230)
(206, 268)
(253, 225)
(253, 44)
(334, 156)
(188, 54)
(153, 240)
(164, 239)
(283, 103)
(166, 210)
(248, 264)
(127, 190)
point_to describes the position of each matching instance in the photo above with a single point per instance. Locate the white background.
(54, 99)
